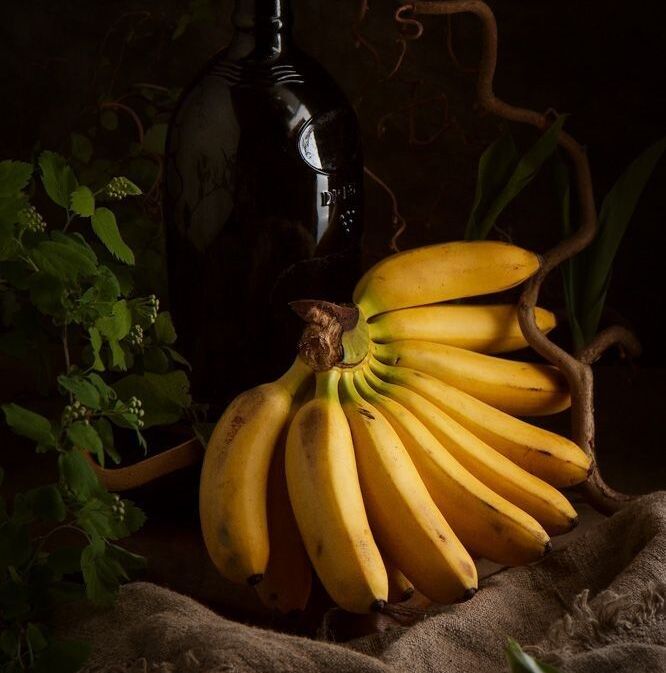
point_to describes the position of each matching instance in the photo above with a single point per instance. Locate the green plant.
(502, 176)
(521, 662)
(64, 280)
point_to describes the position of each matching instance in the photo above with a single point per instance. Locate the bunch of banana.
(409, 460)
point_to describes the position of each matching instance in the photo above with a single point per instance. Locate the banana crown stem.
(327, 384)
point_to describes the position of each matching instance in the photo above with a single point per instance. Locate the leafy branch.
(59, 541)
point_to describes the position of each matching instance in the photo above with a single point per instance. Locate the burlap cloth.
(598, 605)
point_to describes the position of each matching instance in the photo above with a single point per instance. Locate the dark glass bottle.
(263, 202)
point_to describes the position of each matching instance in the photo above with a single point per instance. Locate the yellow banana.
(485, 522)
(400, 588)
(441, 272)
(288, 578)
(234, 476)
(326, 499)
(402, 515)
(518, 388)
(484, 329)
(534, 496)
(547, 455)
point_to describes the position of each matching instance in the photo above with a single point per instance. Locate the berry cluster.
(119, 188)
(134, 406)
(135, 336)
(75, 412)
(31, 220)
(118, 507)
(153, 308)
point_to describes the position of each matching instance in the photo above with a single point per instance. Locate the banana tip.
(407, 594)
(548, 547)
(378, 606)
(574, 522)
(253, 580)
(469, 593)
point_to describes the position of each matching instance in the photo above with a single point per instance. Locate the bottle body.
(263, 205)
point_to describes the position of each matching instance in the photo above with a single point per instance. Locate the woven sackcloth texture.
(596, 606)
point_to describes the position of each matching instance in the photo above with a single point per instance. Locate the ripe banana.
(400, 588)
(518, 388)
(543, 502)
(548, 456)
(480, 328)
(234, 476)
(326, 499)
(441, 272)
(403, 517)
(288, 578)
(486, 523)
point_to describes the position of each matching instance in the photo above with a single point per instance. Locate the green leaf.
(83, 201)
(107, 394)
(78, 475)
(105, 431)
(81, 147)
(35, 637)
(29, 424)
(109, 120)
(96, 345)
(154, 140)
(495, 168)
(165, 332)
(66, 261)
(164, 396)
(131, 562)
(523, 663)
(117, 355)
(48, 294)
(101, 573)
(47, 503)
(82, 389)
(118, 324)
(569, 270)
(14, 176)
(85, 437)
(97, 518)
(9, 642)
(105, 226)
(177, 357)
(523, 174)
(58, 177)
(156, 360)
(62, 656)
(616, 213)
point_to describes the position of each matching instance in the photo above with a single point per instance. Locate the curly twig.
(611, 336)
(578, 373)
(398, 220)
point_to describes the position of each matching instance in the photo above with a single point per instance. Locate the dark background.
(602, 62)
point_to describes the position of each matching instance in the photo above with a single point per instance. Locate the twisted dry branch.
(576, 370)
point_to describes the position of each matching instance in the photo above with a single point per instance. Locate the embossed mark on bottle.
(330, 197)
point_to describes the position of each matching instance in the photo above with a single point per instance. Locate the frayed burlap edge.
(606, 619)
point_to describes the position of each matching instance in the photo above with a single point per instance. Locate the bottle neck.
(262, 29)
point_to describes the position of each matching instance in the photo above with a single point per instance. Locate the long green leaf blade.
(616, 212)
(495, 167)
(523, 174)
(570, 270)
